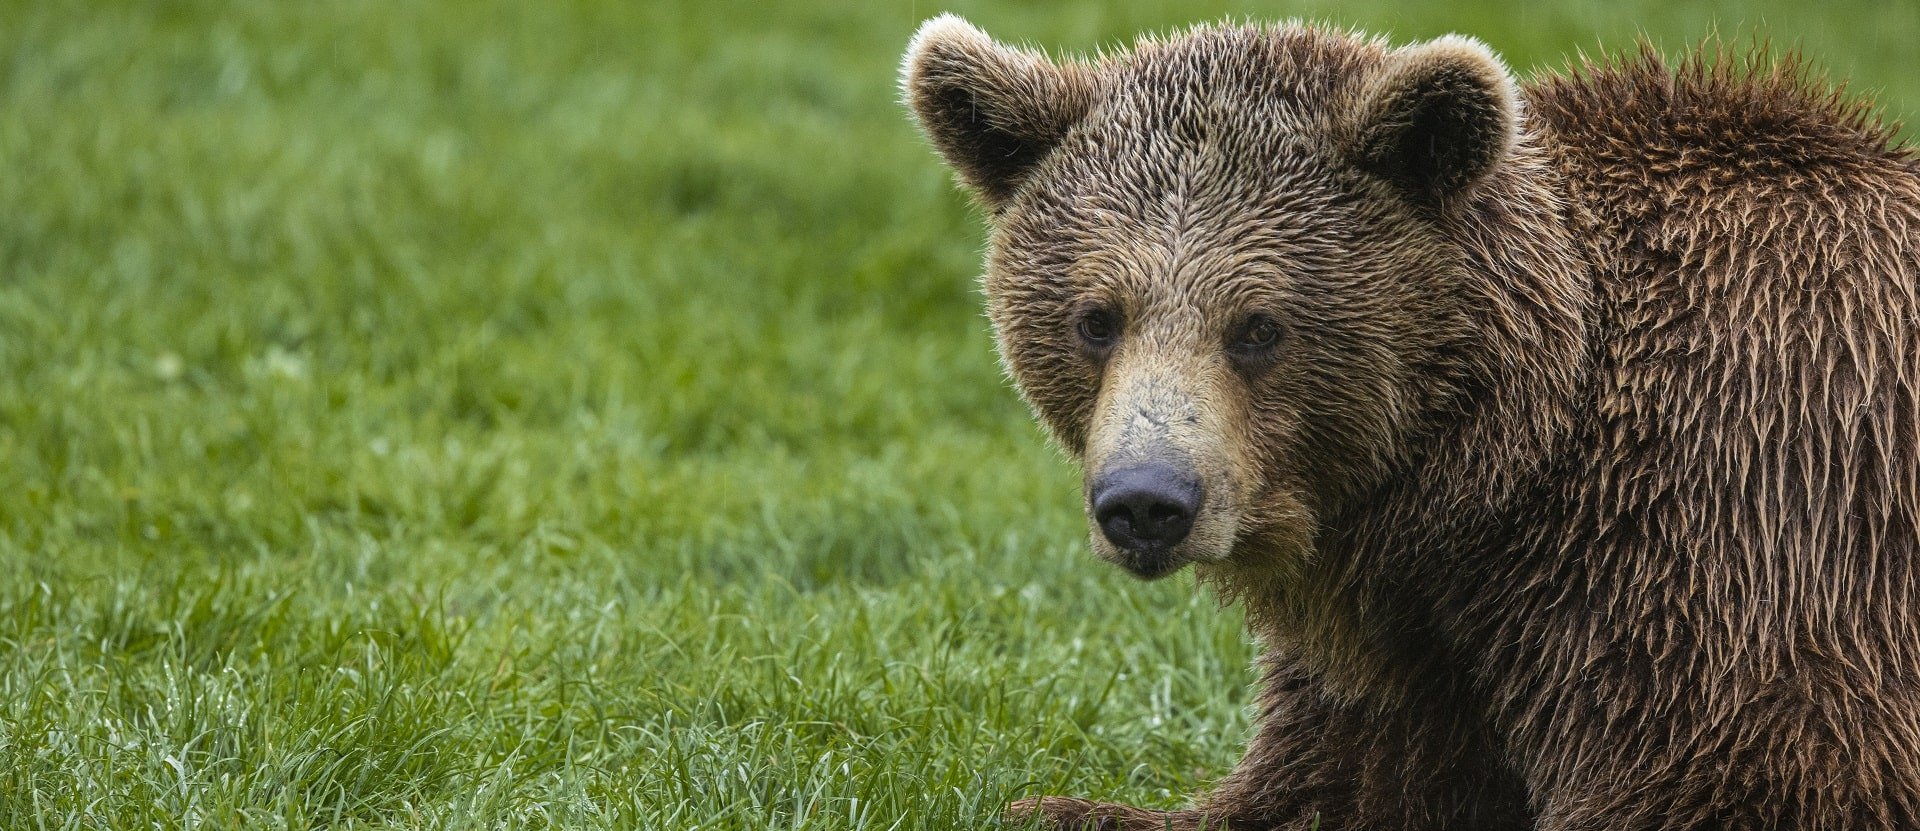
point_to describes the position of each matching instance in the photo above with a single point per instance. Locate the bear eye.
(1099, 328)
(1260, 333)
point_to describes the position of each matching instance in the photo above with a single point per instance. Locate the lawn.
(576, 414)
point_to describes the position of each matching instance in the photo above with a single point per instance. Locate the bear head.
(1220, 267)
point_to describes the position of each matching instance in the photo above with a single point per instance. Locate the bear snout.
(1146, 510)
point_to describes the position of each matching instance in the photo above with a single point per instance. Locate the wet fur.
(1587, 492)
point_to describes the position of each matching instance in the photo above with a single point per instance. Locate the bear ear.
(993, 111)
(1438, 117)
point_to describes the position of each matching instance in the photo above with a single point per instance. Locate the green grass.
(579, 415)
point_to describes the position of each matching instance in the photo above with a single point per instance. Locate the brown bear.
(1560, 439)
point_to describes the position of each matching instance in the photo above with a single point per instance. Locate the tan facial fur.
(1168, 396)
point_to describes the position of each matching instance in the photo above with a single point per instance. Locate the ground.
(454, 415)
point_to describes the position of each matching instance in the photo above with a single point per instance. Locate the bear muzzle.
(1161, 490)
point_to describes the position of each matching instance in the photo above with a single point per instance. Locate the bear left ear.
(1438, 117)
(993, 111)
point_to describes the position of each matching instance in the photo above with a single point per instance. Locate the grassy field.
(473, 414)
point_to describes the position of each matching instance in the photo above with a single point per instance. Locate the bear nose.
(1146, 507)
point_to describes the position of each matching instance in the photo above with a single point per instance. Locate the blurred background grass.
(518, 415)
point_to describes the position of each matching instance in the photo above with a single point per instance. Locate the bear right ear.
(1438, 117)
(993, 111)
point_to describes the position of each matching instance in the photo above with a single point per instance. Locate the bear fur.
(1562, 440)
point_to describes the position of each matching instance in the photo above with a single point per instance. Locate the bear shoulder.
(1712, 118)
(1750, 169)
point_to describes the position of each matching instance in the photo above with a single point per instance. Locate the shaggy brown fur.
(1581, 488)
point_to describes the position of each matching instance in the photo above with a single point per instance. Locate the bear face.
(1222, 270)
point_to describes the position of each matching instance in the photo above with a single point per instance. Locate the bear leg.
(1319, 760)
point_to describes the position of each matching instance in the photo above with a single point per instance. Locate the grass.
(457, 415)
